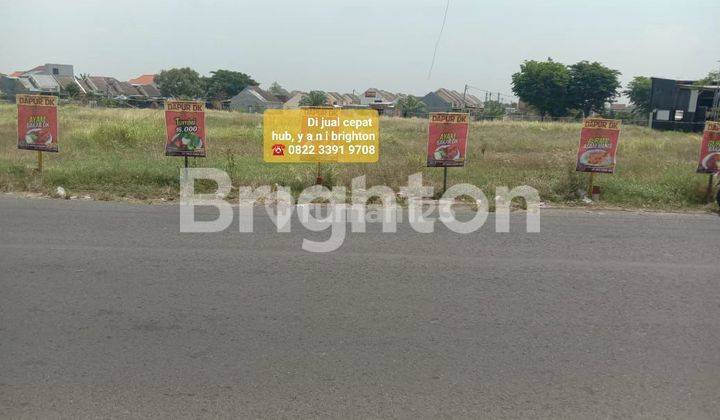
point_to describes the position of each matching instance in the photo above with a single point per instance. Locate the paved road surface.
(107, 310)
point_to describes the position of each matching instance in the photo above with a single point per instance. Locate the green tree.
(543, 85)
(591, 86)
(638, 90)
(278, 90)
(411, 106)
(180, 83)
(314, 98)
(224, 84)
(493, 109)
(73, 90)
(713, 78)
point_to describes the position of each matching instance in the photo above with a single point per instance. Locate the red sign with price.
(185, 122)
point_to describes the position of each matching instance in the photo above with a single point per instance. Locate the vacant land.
(118, 153)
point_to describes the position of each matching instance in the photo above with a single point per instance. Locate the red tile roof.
(145, 79)
(20, 73)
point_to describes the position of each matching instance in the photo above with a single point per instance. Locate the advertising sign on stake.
(185, 123)
(447, 139)
(710, 149)
(598, 144)
(37, 123)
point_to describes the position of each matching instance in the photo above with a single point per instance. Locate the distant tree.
(638, 90)
(73, 90)
(591, 86)
(277, 90)
(314, 98)
(180, 83)
(493, 109)
(713, 78)
(411, 106)
(543, 85)
(224, 84)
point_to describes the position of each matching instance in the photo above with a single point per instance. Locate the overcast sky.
(345, 45)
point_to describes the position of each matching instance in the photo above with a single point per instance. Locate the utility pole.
(716, 99)
(464, 95)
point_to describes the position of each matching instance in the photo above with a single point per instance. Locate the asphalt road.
(106, 310)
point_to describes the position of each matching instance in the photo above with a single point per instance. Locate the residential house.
(146, 86)
(9, 86)
(34, 84)
(65, 81)
(335, 99)
(101, 86)
(56, 78)
(150, 91)
(523, 107)
(47, 79)
(55, 70)
(436, 103)
(389, 96)
(377, 96)
(110, 87)
(472, 102)
(381, 100)
(127, 90)
(254, 99)
(351, 99)
(293, 101)
(48, 69)
(84, 85)
(44, 82)
(144, 80)
(620, 107)
(446, 100)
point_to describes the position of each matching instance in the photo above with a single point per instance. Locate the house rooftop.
(44, 82)
(145, 79)
(149, 91)
(267, 96)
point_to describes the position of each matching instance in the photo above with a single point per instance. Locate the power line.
(432, 63)
(491, 93)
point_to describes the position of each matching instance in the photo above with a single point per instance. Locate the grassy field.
(118, 153)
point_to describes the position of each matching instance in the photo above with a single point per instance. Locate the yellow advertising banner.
(321, 135)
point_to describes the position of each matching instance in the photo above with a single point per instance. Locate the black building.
(680, 105)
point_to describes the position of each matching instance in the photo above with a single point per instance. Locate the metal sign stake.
(708, 191)
(591, 179)
(318, 176)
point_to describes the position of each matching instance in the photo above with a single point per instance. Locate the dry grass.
(113, 153)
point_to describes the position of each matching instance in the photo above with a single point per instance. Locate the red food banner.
(598, 144)
(37, 122)
(447, 139)
(710, 149)
(185, 123)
